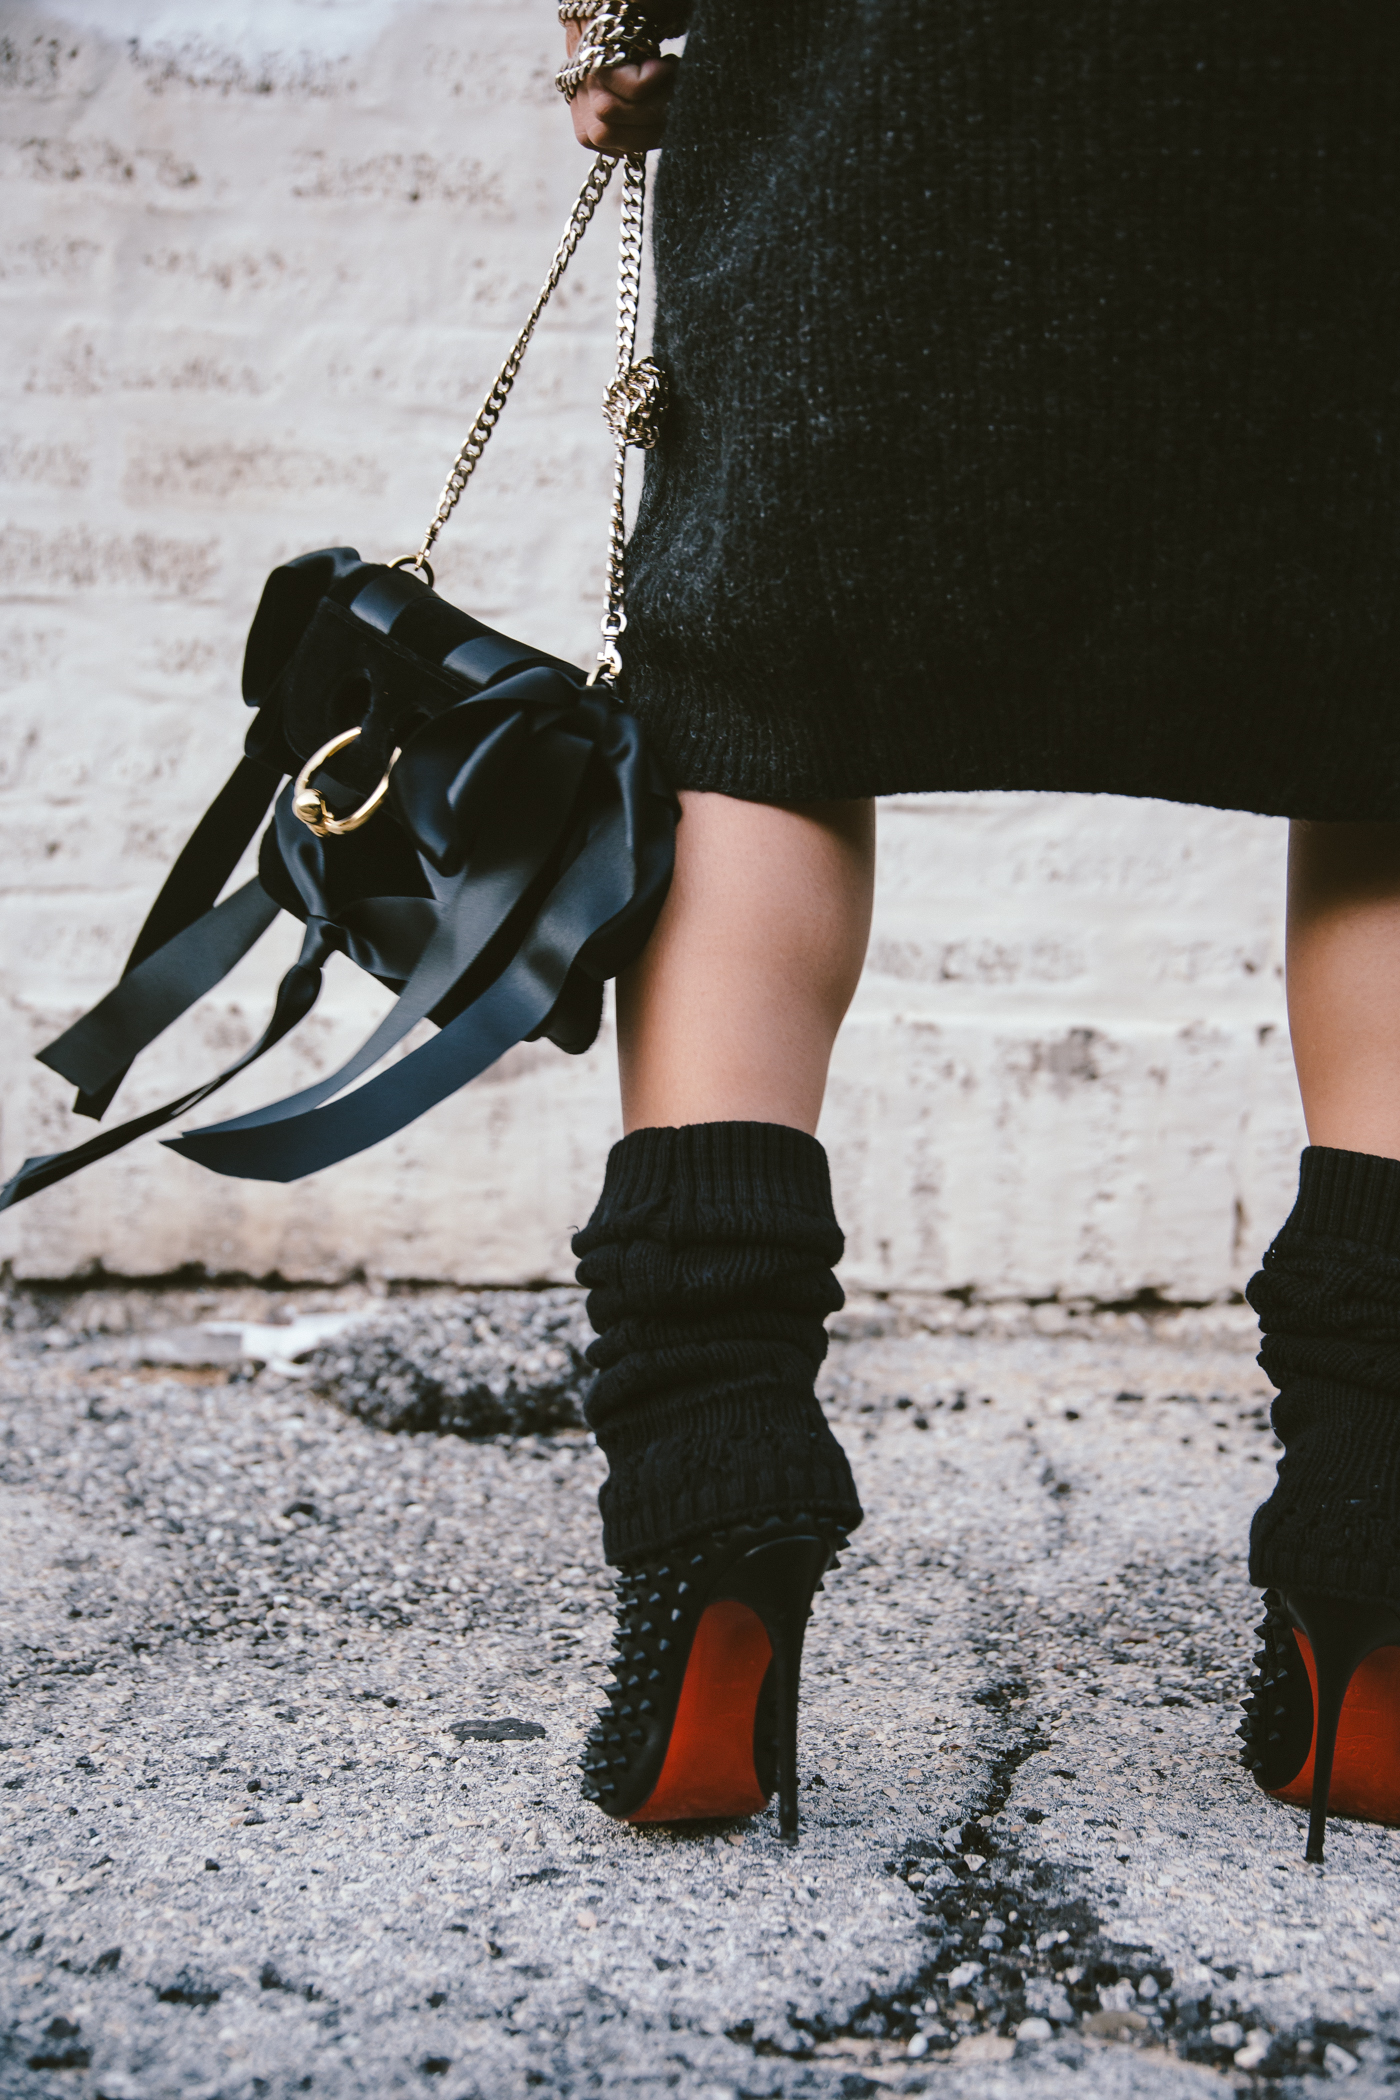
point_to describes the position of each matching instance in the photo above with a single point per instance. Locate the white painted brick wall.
(258, 262)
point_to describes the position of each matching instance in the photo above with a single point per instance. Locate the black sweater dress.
(1035, 403)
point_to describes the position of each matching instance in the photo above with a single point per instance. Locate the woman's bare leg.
(731, 1012)
(1344, 982)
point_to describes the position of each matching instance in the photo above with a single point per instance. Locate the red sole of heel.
(709, 1768)
(1366, 1767)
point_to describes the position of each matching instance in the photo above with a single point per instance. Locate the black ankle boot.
(1325, 1547)
(708, 1262)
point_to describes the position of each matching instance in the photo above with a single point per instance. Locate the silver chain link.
(632, 405)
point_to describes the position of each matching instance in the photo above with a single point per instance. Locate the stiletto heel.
(777, 1582)
(1328, 1687)
(701, 1717)
(1341, 1634)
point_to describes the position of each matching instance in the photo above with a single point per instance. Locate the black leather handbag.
(473, 822)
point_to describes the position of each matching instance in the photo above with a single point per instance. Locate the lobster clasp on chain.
(608, 668)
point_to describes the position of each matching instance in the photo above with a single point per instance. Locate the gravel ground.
(293, 1702)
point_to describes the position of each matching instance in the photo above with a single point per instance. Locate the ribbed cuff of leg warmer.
(1347, 1196)
(716, 1182)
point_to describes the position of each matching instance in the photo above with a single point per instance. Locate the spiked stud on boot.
(701, 1718)
(1333, 1751)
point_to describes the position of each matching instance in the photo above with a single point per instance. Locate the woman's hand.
(622, 109)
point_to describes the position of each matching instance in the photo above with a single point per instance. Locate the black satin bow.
(522, 859)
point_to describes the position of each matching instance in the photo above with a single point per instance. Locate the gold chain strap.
(464, 466)
(632, 404)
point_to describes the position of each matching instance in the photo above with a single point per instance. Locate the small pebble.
(1257, 2045)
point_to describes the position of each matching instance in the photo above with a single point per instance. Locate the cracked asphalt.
(292, 1704)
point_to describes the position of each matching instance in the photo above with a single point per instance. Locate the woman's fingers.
(622, 109)
(635, 86)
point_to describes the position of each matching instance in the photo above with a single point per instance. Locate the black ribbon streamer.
(522, 859)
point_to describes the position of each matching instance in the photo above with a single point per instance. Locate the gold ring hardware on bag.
(419, 566)
(309, 804)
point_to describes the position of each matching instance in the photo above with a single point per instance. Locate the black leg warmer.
(1328, 1300)
(708, 1264)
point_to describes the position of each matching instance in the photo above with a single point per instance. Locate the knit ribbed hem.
(726, 1460)
(715, 1181)
(1275, 1565)
(1347, 1196)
